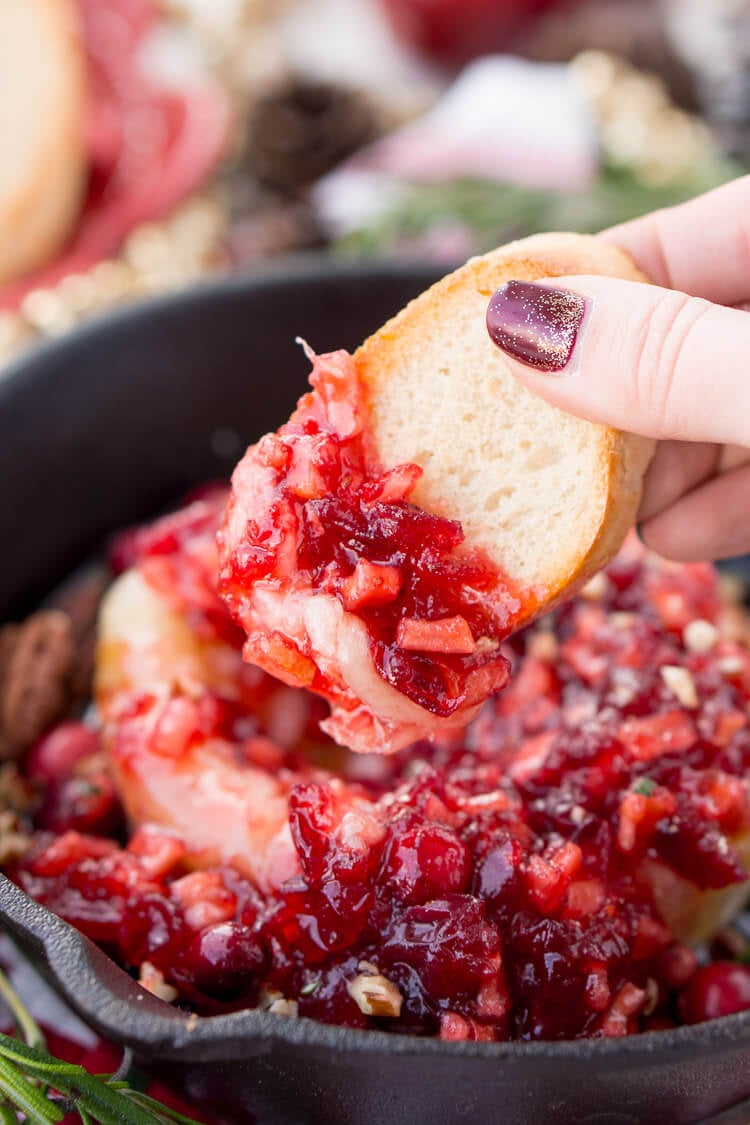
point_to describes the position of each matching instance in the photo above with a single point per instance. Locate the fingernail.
(535, 324)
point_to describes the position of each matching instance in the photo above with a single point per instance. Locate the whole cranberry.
(86, 803)
(312, 819)
(57, 752)
(151, 930)
(498, 873)
(453, 31)
(226, 959)
(715, 990)
(327, 852)
(423, 862)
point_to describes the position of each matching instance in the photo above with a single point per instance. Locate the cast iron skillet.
(104, 428)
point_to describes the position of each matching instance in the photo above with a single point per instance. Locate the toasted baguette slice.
(543, 498)
(42, 102)
(548, 496)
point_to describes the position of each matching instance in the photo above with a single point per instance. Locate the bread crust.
(621, 459)
(44, 188)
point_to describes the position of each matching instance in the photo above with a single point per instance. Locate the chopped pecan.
(35, 687)
(375, 995)
(17, 793)
(14, 840)
(80, 598)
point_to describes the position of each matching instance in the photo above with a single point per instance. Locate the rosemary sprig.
(44, 1088)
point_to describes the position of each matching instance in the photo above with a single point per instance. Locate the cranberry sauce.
(177, 556)
(499, 884)
(334, 520)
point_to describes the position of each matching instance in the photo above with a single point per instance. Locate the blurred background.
(218, 134)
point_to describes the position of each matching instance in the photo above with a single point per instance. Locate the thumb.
(648, 360)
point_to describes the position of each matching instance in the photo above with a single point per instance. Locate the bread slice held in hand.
(419, 506)
(42, 106)
(549, 496)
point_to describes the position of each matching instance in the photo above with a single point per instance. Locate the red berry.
(152, 930)
(333, 843)
(226, 959)
(424, 862)
(715, 990)
(57, 752)
(87, 803)
(498, 872)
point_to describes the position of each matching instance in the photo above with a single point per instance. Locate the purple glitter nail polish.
(535, 324)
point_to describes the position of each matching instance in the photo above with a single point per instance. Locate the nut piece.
(14, 841)
(543, 645)
(152, 979)
(284, 1007)
(37, 660)
(375, 995)
(273, 1001)
(700, 635)
(596, 588)
(730, 665)
(16, 791)
(681, 683)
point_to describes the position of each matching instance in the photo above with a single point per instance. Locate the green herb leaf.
(645, 787)
(27, 1097)
(98, 1101)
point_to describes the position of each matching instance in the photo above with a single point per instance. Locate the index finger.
(701, 247)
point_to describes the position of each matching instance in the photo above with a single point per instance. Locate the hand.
(670, 360)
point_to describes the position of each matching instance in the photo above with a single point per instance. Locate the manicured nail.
(535, 324)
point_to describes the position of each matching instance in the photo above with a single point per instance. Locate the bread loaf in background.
(42, 118)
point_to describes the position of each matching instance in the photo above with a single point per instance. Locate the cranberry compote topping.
(715, 990)
(170, 534)
(313, 511)
(152, 929)
(177, 556)
(339, 533)
(425, 861)
(537, 877)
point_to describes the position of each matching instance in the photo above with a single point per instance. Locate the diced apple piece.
(447, 634)
(370, 585)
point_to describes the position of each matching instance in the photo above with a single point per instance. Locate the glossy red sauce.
(331, 516)
(503, 890)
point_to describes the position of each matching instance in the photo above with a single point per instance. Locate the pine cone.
(300, 131)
